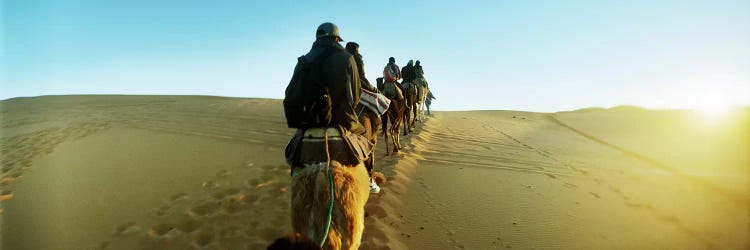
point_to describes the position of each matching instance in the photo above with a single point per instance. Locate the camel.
(311, 190)
(423, 90)
(395, 114)
(410, 97)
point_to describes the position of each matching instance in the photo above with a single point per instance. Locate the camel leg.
(398, 141)
(416, 112)
(385, 137)
(407, 118)
(421, 111)
(395, 142)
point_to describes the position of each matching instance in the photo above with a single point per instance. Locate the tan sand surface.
(504, 179)
(131, 172)
(196, 172)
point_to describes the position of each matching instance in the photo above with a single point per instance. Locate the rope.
(330, 180)
(361, 110)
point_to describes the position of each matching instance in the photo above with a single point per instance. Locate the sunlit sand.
(167, 172)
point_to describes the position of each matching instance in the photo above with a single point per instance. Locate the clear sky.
(513, 55)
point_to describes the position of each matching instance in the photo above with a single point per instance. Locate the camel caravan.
(337, 114)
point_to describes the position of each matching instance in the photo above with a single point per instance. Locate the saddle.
(391, 91)
(308, 146)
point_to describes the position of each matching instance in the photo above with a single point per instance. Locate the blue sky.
(515, 55)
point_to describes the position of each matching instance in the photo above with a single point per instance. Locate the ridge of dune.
(736, 197)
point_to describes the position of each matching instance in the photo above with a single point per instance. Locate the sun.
(713, 106)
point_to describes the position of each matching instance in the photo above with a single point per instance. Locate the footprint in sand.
(178, 197)
(281, 167)
(569, 185)
(203, 237)
(264, 184)
(6, 195)
(252, 182)
(220, 194)
(7, 168)
(104, 244)
(161, 211)
(249, 198)
(670, 219)
(16, 174)
(209, 184)
(189, 225)
(126, 228)
(379, 235)
(377, 211)
(232, 205)
(7, 180)
(229, 231)
(205, 208)
(161, 229)
(268, 167)
(222, 173)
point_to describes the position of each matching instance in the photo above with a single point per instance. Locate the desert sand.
(199, 172)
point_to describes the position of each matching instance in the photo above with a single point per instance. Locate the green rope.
(330, 180)
(330, 209)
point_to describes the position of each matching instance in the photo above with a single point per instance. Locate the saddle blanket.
(376, 102)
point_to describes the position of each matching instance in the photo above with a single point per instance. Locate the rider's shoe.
(374, 188)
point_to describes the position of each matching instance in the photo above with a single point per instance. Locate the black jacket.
(418, 71)
(361, 68)
(342, 78)
(408, 73)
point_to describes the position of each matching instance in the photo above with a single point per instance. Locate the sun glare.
(713, 106)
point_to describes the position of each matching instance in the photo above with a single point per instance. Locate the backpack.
(388, 74)
(307, 102)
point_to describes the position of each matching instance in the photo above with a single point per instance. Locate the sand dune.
(182, 172)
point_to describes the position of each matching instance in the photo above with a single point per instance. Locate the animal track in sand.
(203, 237)
(161, 229)
(209, 184)
(220, 194)
(570, 185)
(16, 174)
(178, 197)
(232, 205)
(7, 180)
(222, 173)
(6, 195)
(189, 225)
(161, 211)
(380, 235)
(7, 168)
(205, 208)
(125, 228)
(249, 198)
